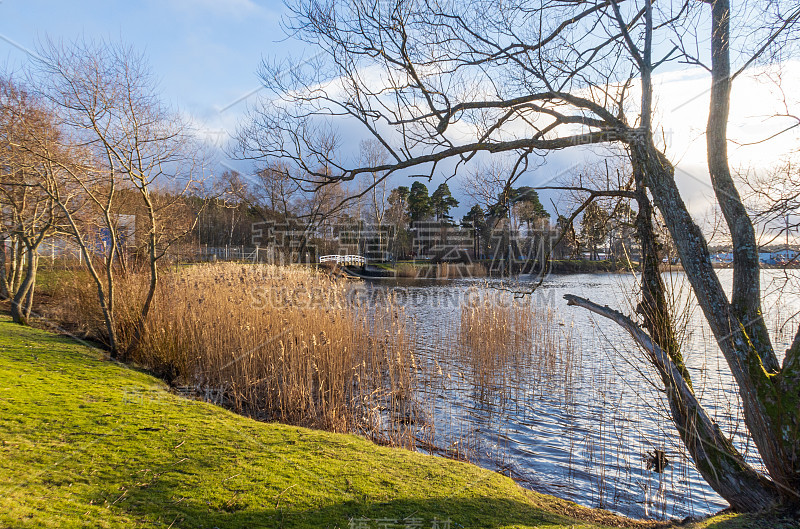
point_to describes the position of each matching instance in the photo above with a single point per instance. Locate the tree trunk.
(771, 414)
(746, 296)
(139, 328)
(16, 264)
(106, 297)
(5, 291)
(653, 307)
(18, 313)
(27, 305)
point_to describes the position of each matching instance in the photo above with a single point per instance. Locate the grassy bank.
(89, 443)
(82, 436)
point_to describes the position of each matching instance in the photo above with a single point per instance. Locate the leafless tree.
(437, 84)
(29, 215)
(129, 144)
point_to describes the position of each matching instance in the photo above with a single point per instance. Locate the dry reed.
(441, 271)
(514, 344)
(275, 343)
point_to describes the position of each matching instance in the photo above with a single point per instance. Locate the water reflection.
(581, 426)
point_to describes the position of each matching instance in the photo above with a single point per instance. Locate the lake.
(578, 424)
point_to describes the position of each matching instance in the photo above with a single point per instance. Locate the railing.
(229, 253)
(344, 259)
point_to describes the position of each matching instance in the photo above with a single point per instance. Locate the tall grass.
(275, 343)
(514, 344)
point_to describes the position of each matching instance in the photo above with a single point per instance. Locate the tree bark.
(746, 296)
(16, 263)
(653, 307)
(18, 304)
(713, 454)
(27, 304)
(5, 291)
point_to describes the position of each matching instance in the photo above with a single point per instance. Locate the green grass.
(85, 442)
(745, 521)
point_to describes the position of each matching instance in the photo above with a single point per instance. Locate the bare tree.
(439, 83)
(29, 214)
(372, 153)
(128, 144)
(277, 190)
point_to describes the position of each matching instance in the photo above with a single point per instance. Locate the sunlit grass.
(86, 442)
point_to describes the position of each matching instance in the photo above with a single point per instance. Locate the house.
(786, 255)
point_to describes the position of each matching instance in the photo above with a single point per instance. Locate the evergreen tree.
(442, 201)
(527, 206)
(419, 203)
(475, 219)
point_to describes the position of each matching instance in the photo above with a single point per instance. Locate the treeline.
(409, 222)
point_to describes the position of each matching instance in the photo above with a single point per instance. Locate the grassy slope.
(88, 443)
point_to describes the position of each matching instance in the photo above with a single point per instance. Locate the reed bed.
(441, 271)
(274, 343)
(460, 270)
(514, 345)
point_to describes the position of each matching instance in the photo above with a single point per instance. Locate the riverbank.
(87, 442)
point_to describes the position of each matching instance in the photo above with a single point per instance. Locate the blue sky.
(205, 52)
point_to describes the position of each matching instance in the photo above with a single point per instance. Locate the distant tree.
(398, 217)
(373, 154)
(622, 230)
(568, 245)
(419, 203)
(397, 213)
(442, 201)
(277, 191)
(527, 206)
(475, 220)
(594, 229)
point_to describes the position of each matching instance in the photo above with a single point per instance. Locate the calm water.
(582, 429)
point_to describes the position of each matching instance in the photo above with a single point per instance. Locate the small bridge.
(345, 260)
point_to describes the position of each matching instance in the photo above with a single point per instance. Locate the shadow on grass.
(744, 521)
(278, 511)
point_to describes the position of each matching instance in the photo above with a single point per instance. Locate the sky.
(206, 53)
